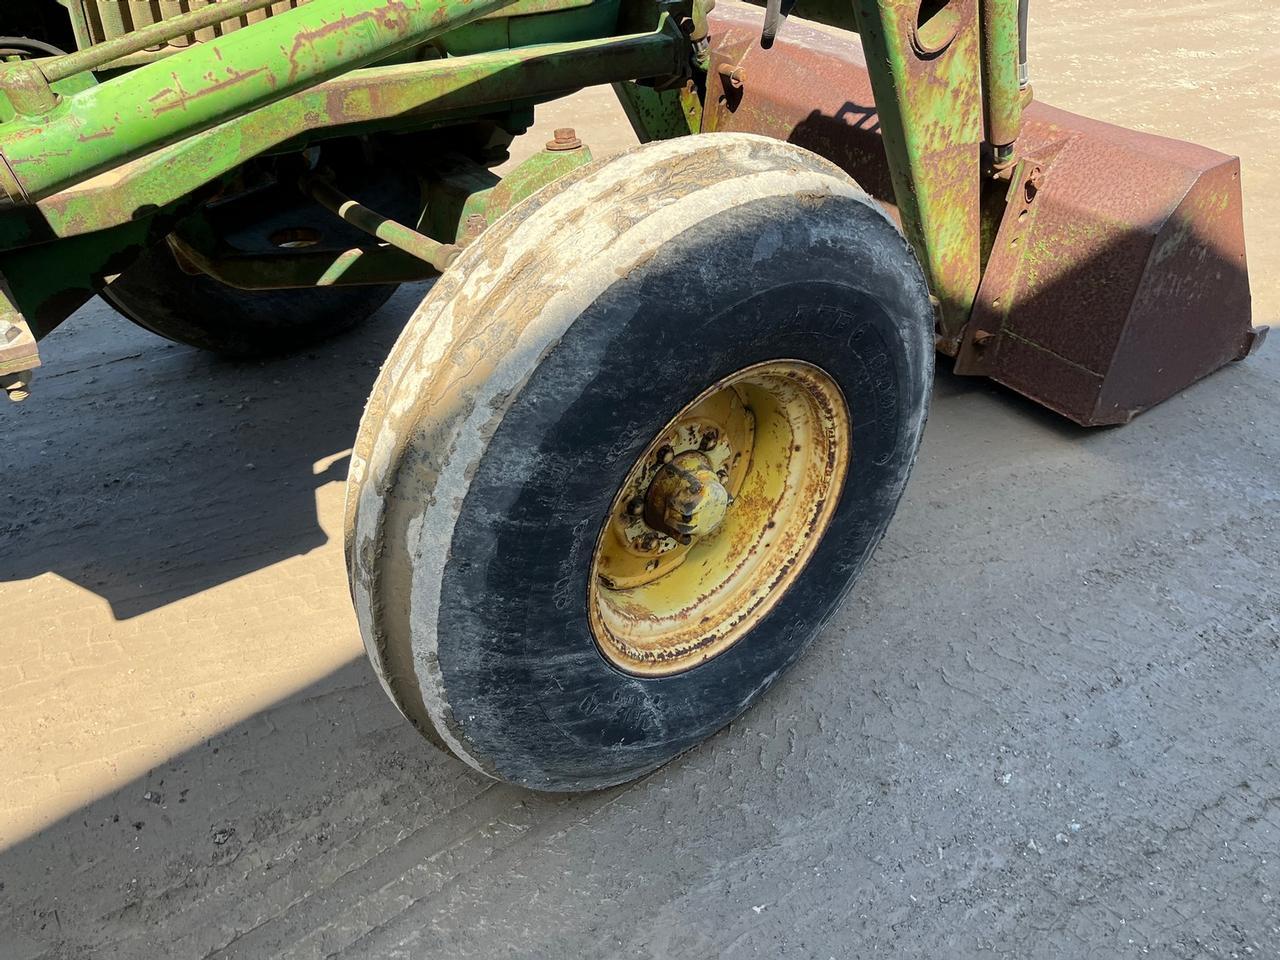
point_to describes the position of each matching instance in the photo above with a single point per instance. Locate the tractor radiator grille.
(99, 20)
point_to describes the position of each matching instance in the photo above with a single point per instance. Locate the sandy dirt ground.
(1044, 726)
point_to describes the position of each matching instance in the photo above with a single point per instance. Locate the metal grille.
(106, 19)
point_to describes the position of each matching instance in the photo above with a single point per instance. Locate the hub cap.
(718, 517)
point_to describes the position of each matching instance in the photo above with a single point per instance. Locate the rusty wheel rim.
(718, 517)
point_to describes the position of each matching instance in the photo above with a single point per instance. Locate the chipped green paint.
(465, 192)
(410, 95)
(1002, 98)
(923, 60)
(117, 164)
(660, 114)
(531, 176)
(113, 122)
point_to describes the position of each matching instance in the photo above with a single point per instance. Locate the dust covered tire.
(533, 378)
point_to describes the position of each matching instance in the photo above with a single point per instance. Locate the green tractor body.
(1051, 272)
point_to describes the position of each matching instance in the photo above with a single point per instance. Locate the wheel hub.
(718, 516)
(686, 499)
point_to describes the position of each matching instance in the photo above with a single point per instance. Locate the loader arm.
(92, 173)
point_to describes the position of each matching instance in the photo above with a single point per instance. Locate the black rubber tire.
(535, 374)
(157, 295)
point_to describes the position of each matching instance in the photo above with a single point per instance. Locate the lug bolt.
(566, 138)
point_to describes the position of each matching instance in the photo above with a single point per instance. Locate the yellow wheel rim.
(718, 517)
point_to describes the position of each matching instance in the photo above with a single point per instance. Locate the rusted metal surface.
(924, 63)
(660, 114)
(288, 248)
(100, 21)
(812, 89)
(686, 499)
(1118, 276)
(25, 90)
(1127, 281)
(734, 75)
(564, 138)
(464, 197)
(1117, 257)
(11, 192)
(638, 548)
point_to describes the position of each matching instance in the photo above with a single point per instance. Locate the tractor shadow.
(147, 472)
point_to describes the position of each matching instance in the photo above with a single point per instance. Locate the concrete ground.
(1045, 725)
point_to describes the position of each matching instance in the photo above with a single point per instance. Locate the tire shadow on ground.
(146, 472)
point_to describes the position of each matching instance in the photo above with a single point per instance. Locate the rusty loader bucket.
(1116, 274)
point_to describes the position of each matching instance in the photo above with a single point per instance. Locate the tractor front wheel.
(630, 454)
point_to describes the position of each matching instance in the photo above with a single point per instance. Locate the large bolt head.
(566, 138)
(686, 499)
